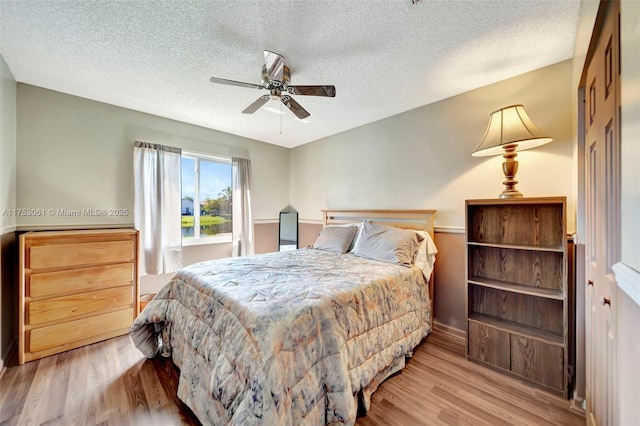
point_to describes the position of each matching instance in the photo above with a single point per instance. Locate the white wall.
(75, 153)
(422, 158)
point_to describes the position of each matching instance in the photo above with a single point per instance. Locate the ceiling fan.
(276, 78)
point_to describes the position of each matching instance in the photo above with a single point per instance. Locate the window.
(206, 198)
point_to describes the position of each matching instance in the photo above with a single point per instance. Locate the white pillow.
(387, 243)
(426, 255)
(335, 238)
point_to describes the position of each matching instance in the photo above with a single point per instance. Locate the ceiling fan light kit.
(276, 78)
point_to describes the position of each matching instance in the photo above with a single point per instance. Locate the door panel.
(602, 219)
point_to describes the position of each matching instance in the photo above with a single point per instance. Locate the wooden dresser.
(76, 288)
(518, 298)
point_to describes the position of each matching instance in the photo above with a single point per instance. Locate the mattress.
(293, 337)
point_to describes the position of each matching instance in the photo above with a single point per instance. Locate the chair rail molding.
(7, 229)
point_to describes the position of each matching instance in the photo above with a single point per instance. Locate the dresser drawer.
(85, 328)
(57, 308)
(76, 255)
(79, 280)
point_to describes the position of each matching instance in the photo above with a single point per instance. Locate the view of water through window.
(206, 197)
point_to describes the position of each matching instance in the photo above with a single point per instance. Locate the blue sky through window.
(214, 177)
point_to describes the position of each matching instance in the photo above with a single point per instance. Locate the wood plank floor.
(111, 383)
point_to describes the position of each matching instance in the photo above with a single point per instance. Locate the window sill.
(206, 241)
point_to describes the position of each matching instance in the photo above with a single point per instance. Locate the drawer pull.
(605, 301)
(590, 282)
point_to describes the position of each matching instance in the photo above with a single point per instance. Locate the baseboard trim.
(577, 405)
(451, 331)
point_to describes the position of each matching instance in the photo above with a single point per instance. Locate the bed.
(302, 336)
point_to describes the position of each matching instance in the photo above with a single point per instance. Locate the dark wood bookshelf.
(517, 289)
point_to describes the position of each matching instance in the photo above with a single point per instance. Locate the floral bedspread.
(284, 338)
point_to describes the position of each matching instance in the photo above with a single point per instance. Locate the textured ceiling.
(384, 57)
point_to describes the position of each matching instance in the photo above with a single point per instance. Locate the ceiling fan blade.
(257, 104)
(329, 91)
(295, 107)
(274, 64)
(235, 83)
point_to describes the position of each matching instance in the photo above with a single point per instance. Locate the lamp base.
(509, 168)
(510, 194)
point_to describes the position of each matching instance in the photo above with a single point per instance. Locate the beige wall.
(422, 159)
(74, 153)
(308, 233)
(8, 331)
(7, 146)
(449, 281)
(266, 237)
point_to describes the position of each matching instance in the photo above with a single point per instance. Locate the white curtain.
(157, 205)
(242, 240)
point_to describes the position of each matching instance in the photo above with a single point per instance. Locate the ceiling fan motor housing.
(276, 84)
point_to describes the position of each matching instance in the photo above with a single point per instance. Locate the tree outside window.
(206, 197)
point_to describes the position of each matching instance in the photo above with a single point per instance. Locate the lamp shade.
(510, 126)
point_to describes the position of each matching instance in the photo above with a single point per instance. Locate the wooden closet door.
(602, 219)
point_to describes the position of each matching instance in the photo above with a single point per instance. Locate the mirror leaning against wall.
(288, 231)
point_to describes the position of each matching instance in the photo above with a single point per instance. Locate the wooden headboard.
(421, 220)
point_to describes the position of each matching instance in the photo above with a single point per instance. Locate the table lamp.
(510, 129)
